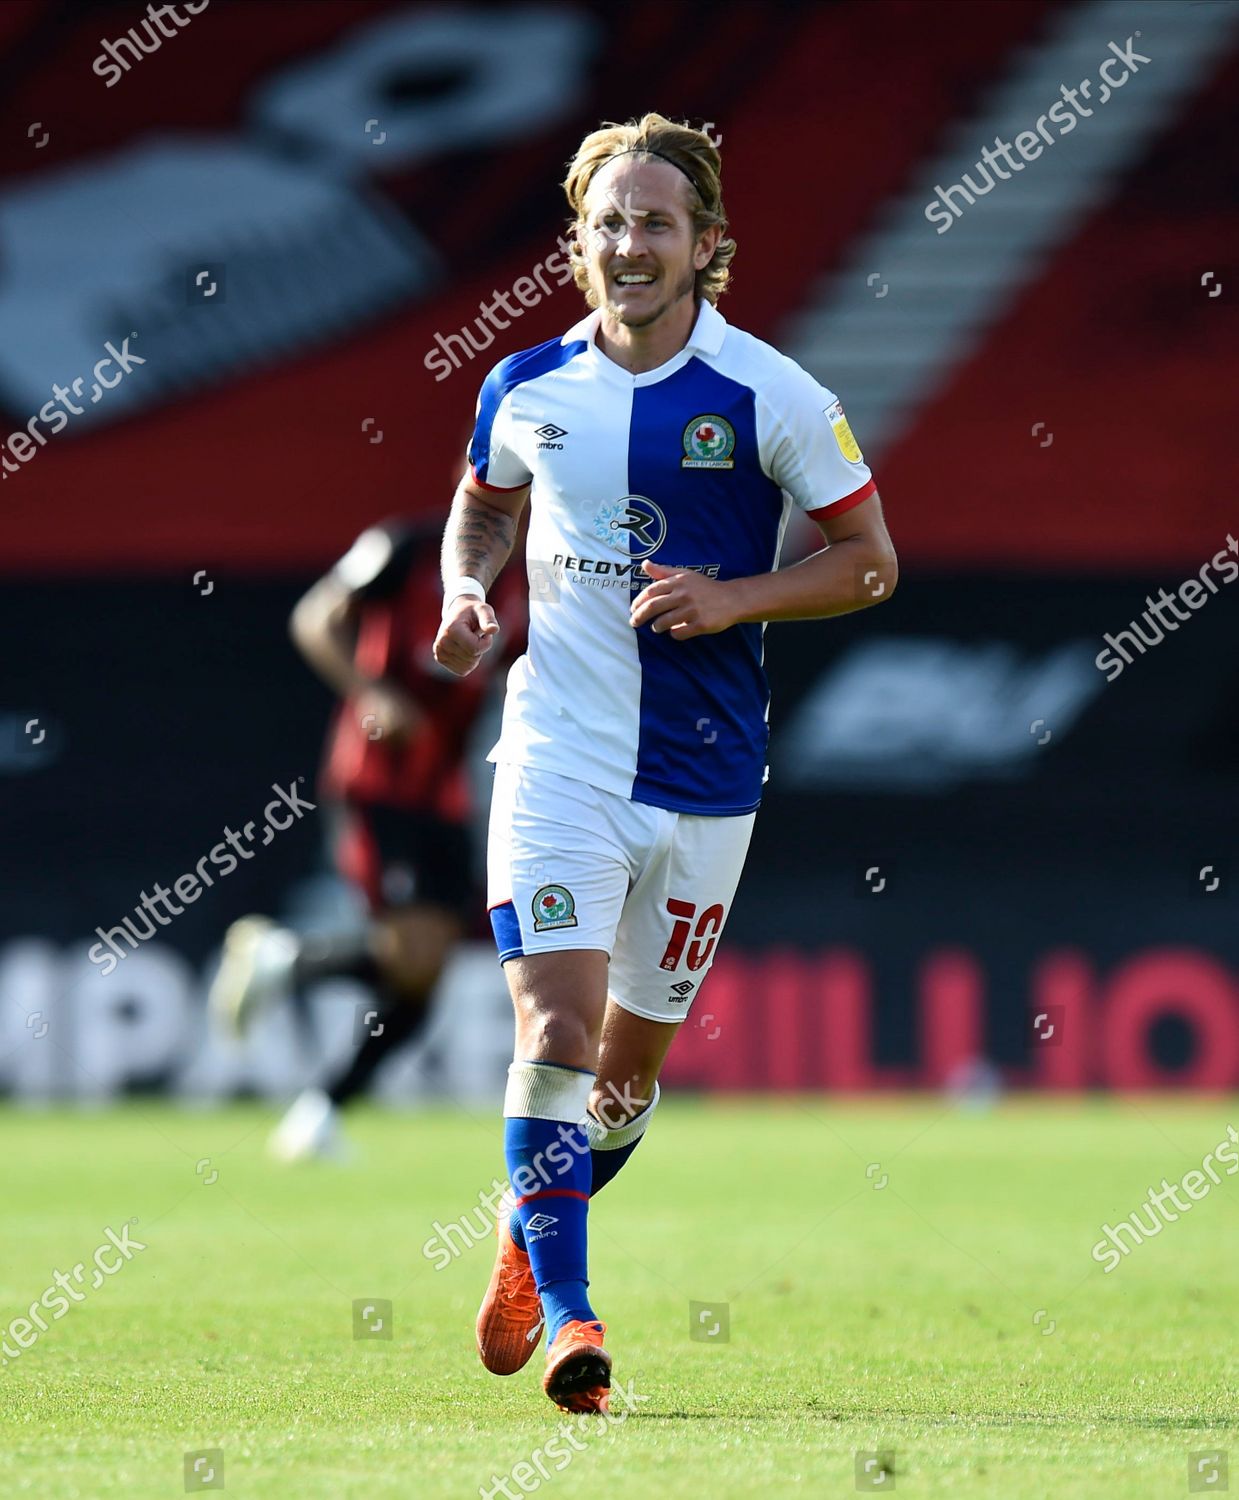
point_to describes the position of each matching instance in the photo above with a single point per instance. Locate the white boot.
(310, 1129)
(255, 972)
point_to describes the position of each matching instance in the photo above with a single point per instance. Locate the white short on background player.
(660, 451)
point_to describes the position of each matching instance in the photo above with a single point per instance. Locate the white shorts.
(569, 866)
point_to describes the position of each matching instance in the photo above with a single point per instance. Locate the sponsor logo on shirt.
(634, 524)
(848, 445)
(603, 573)
(636, 527)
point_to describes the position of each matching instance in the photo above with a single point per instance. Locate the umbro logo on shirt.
(550, 435)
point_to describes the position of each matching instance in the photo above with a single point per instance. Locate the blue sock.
(603, 1166)
(552, 1218)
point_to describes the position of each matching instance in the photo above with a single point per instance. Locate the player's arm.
(478, 540)
(323, 627)
(856, 569)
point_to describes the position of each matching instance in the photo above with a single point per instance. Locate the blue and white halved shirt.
(695, 464)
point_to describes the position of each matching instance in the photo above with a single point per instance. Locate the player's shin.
(609, 1152)
(397, 1019)
(611, 1148)
(548, 1158)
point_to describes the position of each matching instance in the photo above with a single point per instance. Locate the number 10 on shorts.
(704, 934)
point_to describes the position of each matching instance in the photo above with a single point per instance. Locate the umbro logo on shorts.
(680, 992)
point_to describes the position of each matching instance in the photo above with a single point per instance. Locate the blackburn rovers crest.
(553, 907)
(708, 444)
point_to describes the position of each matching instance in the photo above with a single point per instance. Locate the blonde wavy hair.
(697, 157)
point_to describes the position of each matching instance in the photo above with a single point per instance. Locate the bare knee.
(550, 1033)
(559, 999)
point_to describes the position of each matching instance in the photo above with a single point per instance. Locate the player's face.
(639, 241)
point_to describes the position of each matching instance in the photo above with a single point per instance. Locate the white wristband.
(455, 587)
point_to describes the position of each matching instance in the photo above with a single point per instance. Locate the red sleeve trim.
(496, 489)
(837, 507)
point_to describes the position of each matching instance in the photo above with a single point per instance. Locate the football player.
(660, 451)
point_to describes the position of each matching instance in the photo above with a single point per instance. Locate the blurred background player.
(397, 795)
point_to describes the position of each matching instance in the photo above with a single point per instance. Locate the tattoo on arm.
(478, 541)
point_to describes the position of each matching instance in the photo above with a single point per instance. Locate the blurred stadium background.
(290, 207)
(981, 867)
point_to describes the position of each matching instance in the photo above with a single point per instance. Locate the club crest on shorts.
(553, 906)
(709, 442)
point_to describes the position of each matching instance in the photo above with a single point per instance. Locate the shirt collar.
(707, 336)
(709, 331)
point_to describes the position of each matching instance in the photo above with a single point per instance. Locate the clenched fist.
(466, 634)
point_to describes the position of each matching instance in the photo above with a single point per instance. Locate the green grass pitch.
(900, 1277)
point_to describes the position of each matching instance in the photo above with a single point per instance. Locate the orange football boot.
(510, 1320)
(578, 1368)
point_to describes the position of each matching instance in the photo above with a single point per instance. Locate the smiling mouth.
(635, 279)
